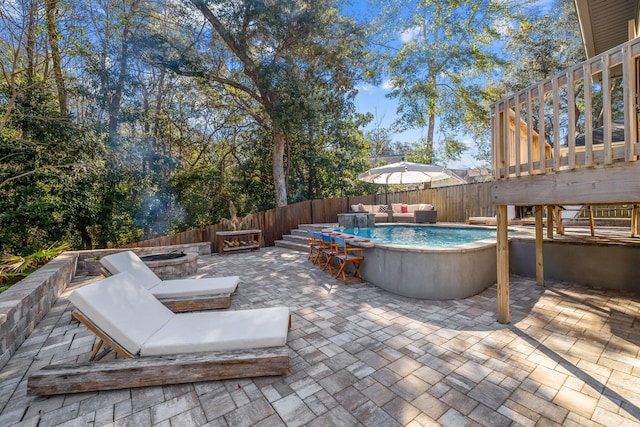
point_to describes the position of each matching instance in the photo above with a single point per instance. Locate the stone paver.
(362, 356)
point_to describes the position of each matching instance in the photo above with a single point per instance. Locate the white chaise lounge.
(162, 347)
(180, 294)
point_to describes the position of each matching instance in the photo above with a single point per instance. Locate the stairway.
(297, 240)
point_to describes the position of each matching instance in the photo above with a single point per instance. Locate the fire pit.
(159, 257)
(171, 265)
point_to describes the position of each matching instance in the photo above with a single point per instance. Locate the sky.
(373, 99)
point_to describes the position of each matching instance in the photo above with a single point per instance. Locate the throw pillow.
(354, 208)
(383, 209)
(405, 209)
(361, 208)
(396, 207)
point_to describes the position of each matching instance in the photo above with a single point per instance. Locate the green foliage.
(15, 267)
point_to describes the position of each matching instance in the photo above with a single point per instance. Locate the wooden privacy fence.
(454, 204)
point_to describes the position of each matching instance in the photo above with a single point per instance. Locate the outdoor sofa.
(380, 211)
(419, 213)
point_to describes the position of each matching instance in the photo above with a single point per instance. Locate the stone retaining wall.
(24, 304)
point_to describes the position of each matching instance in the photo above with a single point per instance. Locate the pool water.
(422, 236)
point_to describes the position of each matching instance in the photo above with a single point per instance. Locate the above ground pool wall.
(604, 266)
(434, 274)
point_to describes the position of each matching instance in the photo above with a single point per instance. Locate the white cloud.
(409, 34)
(366, 88)
(468, 142)
(387, 85)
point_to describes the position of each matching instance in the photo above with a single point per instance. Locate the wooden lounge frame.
(133, 371)
(153, 371)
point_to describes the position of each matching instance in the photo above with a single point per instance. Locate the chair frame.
(328, 252)
(315, 243)
(346, 254)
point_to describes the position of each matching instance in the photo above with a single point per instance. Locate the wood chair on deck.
(328, 252)
(347, 254)
(314, 239)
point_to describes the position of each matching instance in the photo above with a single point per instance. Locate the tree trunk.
(278, 166)
(85, 237)
(31, 41)
(430, 131)
(52, 31)
(116, 98)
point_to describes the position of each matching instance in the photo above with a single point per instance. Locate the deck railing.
(586, 116)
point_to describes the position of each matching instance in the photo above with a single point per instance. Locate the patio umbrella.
(406, 173)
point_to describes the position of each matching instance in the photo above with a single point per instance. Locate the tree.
(261, 52)
(437, 69)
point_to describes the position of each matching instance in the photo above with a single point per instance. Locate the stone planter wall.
(24, 304)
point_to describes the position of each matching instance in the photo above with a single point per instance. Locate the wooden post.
(539, 246)
(503, 263)
(550, 221)
(592, 225)
(557, 215)
(635, 220)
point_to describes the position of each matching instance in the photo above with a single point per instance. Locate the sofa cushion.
(396, 207)
(420, 207)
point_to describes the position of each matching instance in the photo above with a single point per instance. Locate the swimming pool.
(432, 270)
(422, 235)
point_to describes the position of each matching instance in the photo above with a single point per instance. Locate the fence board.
(454, 204)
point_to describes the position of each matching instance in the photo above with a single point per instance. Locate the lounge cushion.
(195, 287)
(217, 331)
(123, 309)
(129, 262)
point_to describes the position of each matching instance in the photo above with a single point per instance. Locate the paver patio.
(362, 356)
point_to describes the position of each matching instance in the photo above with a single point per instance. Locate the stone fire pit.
(165, 267)
(170, 266)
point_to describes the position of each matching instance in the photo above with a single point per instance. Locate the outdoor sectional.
(420, 213)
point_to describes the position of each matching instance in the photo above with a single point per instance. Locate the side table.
(426, 216)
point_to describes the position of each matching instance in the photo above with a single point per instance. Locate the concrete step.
(292, 245)
(300, 233)
(295, 238)
(317, 227)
